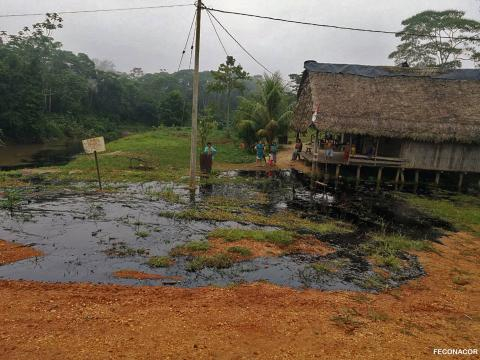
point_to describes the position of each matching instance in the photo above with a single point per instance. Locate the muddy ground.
(80, 321)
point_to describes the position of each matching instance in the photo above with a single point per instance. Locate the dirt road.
(82, 321)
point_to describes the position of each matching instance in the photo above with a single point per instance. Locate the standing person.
(260, 149)
(298, 150)
(206, 158)
(273, 152)
(210, 150)
(329, 148)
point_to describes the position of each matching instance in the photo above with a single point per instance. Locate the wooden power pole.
(196, 81)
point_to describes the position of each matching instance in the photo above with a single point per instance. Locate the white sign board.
(95, 144)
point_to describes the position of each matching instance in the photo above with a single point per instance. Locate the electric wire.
(186, 42)
(397, 33)
(241, 46)
(99, 10)
(218, 35)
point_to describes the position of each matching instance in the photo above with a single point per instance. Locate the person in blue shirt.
(260, 148)
(273, 152)
(210, 150)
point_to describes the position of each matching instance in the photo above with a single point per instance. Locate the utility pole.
(196, 80)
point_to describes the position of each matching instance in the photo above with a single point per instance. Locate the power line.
(216, 32)
(186, 42)
(99, 10)
(238, 43)
(337, 26)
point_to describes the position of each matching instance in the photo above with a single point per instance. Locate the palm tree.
(266, 114)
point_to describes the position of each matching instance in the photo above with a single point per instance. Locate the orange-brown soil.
(257, 321)
(139, 275)
(10, 252)
(305, 245)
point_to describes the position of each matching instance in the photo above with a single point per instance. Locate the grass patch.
(167, 194)
(386, 249)
(462, 211)
(240, 250)
(122, 250)
(347, 319)
(218, 261)
(329, 266)
(372, 282)
(277, 237)
(165, 153)
(377, 316)
(159, 262)
(12, 201)
(142, 234)
(191, 247)
(286, 220)
(460, 280)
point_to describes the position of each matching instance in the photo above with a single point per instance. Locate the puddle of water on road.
(76, 232)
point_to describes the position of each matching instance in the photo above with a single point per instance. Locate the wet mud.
(90, 237)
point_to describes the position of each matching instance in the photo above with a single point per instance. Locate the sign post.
(94, 146)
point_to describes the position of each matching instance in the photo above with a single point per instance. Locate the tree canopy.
(438, 38)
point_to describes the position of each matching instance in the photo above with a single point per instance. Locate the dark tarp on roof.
(379, 71)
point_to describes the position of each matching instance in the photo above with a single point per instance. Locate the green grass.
(218, 261)
(329, 266)
(142, 234)
(286, 220)
(12, 201)
(191, 247)
(159, 262)
(240, 250)
(462, 211)
(278, 237)
(167, 194)
(386, 248)
(165, 150)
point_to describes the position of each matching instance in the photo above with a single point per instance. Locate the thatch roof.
(425, 105)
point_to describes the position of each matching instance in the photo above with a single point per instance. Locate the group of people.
(266, 153)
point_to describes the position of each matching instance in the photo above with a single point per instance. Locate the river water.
(33, 155)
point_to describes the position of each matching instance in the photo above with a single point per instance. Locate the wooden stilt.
(437, 178)
(359, 169)
(397, 178)
(460, 182)
(337, 172)
(379, 177)
(402, 178)
(416, 181)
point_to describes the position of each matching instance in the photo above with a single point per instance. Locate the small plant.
(142, 234)
(167, 194)
(347, 319)
(160, 262)
(122, 250)
(377, 316)
(372, 282)
(240, 250)
(12, 201)
(460, 280)
(218, 261)
(329, 266)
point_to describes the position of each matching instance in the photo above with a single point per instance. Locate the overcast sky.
(154, 39)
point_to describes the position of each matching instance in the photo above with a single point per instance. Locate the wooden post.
(315, 156)
(359, 168)
(416, 181)
(379, 177)
(402, 178)
(196, 82)
(98, 171)
(460, 182)
(337, 172)
(397, 178)
(437, 178)
(376, 151)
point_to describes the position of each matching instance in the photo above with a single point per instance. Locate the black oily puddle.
(82, 236)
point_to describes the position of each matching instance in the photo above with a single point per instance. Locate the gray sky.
(154, 39)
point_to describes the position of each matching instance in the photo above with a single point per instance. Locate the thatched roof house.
(428, 117)
(390, 102)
